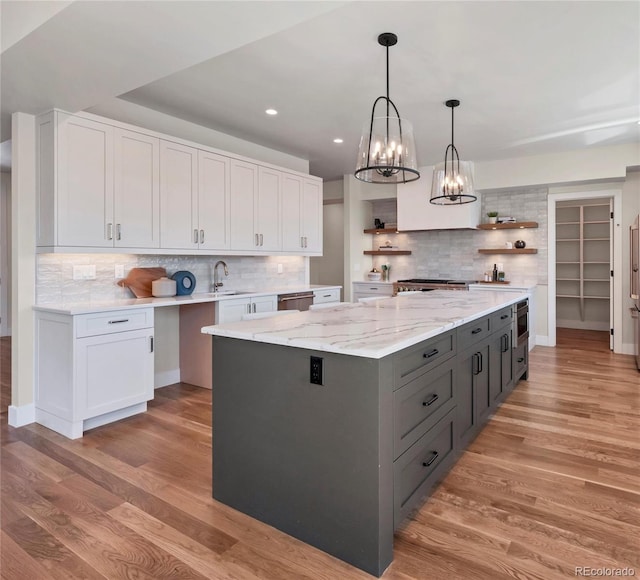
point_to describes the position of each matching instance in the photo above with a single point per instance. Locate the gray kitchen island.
(333, 425)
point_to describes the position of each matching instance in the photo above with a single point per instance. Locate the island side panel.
(313, 461)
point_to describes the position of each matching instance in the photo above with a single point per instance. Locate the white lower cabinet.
(368, 289)
(92, 369)
(324, 296)
(232, 310)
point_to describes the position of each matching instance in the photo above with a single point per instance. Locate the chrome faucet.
(216, 283)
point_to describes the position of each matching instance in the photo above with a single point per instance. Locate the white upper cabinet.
(106, 185)
(80, 192)
(214, 229)
(416, 212)
(136, 190)
(267, 217)
(312, 216)
(178, 196)
(292, 239)
(301, 215)
(244, 188)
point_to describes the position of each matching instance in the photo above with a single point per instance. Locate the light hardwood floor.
(550, 484)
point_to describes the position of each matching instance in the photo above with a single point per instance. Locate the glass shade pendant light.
(387, 151)
(452, 180)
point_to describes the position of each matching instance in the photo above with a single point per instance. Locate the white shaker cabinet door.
(84, 182)
(291, 213)
(244, 188)
(178, 196)
(312, 216)
(114, 371)
(268, 209)
(214, 210)
(136, 190)
(232, 310)
(264, 303)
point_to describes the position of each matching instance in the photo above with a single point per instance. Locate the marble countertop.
(196, 298)
(373, 329)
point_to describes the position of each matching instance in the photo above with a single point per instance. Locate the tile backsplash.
(55, 283)
(454, 253)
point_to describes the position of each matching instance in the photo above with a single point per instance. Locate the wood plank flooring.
(552, 483)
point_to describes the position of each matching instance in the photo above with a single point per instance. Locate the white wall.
(5, 254)
(127, 112)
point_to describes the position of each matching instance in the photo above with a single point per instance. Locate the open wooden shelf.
(387, 252)
(508, 226)
(381, 231)
(506, 251)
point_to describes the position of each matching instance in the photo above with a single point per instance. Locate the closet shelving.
(583, 253)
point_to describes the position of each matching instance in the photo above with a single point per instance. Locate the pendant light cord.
(387, 47)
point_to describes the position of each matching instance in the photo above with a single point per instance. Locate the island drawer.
(414, 361)
(501, 318)
(324, 296)
(113, 321)
(420, 404)
(420, 467)
(474, 332)
(520, 355)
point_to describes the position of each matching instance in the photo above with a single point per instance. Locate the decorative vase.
(493, 220)
(520, 244)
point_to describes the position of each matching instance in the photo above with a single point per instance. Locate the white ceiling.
(533, 77)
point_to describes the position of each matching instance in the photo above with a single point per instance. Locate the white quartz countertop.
(373, 329)
(74, 308)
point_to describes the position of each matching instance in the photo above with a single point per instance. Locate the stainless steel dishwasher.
(295, 301)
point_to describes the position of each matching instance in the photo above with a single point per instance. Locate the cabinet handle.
(475, 364)
(151, 344)
(504, 316)
(195, 236)
(301, 242)
(506, 342)
(118, 321)
(521, 359)
(434, 456)
(481, 361)
(248, 308)
(374, 288)
(253, 307)
(305, 241)
(326, 295)
(431, 353)
(431, 401)
(476, 331)
(261, 240)
(202, 236)
(109, 231)
(257, 244)
(118, 232)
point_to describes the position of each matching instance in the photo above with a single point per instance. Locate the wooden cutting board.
(139, 280)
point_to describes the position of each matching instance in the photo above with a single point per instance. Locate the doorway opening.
(584, 254)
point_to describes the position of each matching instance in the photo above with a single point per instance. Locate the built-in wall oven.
(520, 323)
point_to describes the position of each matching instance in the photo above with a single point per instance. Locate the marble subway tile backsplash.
(454, 253)
(55, 283)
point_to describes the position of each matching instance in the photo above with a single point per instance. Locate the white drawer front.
(372, 289)
(322, 296)
(113, 321)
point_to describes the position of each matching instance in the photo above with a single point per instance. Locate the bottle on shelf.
(494, 276)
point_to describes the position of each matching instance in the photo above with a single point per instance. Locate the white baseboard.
(165, 378)
(583, 325)
(542, 340)
(23, 415)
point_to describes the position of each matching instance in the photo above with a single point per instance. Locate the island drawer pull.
(434, 456)
(119, 321)
(431, 401)
(521, 359)
(476, 331)
(431, 353)
(504, 316)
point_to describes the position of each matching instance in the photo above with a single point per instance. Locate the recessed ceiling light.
(338, 140)
(271, 112)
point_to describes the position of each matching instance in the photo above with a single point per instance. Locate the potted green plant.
(493, 216)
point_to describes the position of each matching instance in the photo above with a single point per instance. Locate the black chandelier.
(452, 181)
(387, 151)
